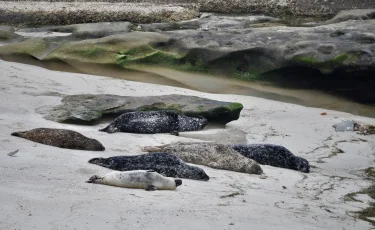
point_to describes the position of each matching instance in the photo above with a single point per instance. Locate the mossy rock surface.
(35, 47)
(88, 108)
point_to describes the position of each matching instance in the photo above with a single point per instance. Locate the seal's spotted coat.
(163, 163)
(274, 155)
(149, 122)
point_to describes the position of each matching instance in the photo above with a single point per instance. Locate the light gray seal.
(141, 179)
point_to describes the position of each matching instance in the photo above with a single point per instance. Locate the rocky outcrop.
(6, 32)
(92, 11)
(62, 13)
(329, 57)
(88, 108)
(284, 7)
(345, 15)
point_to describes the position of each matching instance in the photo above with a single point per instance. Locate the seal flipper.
(151, 188)
(17, 134)
(109, 129)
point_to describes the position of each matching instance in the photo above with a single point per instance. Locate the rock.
(365, 129)
(65, 13)
(328, 57)
(87, 30)
(6, 33)
(280, 7)
(356, 14)
(359, 127)
(347, 125)
(89, 107)
(211, 22)
(34, 47)
(222, 136)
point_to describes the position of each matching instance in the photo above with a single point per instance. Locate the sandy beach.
(43, 187)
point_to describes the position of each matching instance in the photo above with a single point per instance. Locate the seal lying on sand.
(149, 180)
(210, 154)
(163, 163)
(61, 138)
(274, 155)
(166, 121)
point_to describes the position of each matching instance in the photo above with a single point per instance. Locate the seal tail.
(108, 129)
(151, 149)
(17, 134)
(94, 179)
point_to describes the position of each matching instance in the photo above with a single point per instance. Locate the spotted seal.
(213, 155)
(142, 179)
(62, 138)
(163, 163)
(274, 155)
(149, 122)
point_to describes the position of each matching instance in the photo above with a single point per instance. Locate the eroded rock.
(90, 107)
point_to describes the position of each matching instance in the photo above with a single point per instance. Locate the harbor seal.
(163, 163)
(150, 122)
(274, 155)
(213, 155)
(61, 138)
(142, 179)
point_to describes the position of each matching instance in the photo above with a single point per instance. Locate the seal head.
(302, 165)
(178, 182)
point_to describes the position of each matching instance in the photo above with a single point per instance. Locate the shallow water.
(210, 84)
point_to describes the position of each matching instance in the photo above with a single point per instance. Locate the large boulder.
(87, 108)
(63, 13)
(316, 8)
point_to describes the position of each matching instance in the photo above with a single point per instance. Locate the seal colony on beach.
(163, 163)
(210, 154)
(62, 138)
(141, 179)
(274, 155)
(150, 122)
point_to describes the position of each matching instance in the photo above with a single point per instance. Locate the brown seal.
(61, 138)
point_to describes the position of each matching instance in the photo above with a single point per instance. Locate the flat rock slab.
(87, 108)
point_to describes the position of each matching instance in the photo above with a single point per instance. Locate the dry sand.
(44, 187)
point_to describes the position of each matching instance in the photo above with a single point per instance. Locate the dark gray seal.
(274, 155)
(61, 138)
(163, 163)
(149, 122)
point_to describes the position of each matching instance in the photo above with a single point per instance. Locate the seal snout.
(178, 182)
(95, 160)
